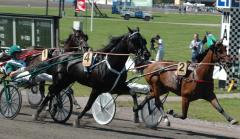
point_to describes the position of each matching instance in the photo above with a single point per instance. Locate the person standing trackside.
(197, 47)
(160, 52)
(152, 48)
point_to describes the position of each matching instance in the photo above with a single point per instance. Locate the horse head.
(220, 53)
(77, 42)
(137, 45)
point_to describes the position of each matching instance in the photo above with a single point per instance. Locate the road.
(122, 127)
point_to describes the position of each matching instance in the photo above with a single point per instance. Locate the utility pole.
(46, 7)
(60, 8)
(63, 5)
(75, 5)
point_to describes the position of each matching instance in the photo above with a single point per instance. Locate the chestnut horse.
(196, 84)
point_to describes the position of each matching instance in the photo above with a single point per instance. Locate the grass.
(176, 37)
(202, 110)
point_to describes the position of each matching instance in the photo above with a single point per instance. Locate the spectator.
(152, 48)
(160, 52)
(180, 9)
(197, 46)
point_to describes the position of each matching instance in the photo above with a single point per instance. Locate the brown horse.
(196, 84)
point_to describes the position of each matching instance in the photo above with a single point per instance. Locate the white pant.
(25, 76)
(139, 88)
(160, 54)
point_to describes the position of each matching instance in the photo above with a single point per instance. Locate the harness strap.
(23, 56)
(203, 81)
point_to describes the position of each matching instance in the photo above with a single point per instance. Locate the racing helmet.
(13, 49)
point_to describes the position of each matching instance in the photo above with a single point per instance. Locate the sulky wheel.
(151, 115)
(104, 109)
(61, 106)
(10, 101)
(34, 96)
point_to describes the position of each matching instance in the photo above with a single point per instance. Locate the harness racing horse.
(76, 42)
(106, 69)
(196, 84)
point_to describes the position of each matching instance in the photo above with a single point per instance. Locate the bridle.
(220, 58)
(80, 42)
(140, 52)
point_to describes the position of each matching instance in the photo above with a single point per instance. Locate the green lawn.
(176, 37)
(201, 109)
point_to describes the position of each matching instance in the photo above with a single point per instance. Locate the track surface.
(122, 127)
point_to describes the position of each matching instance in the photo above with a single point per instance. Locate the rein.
(23, 56)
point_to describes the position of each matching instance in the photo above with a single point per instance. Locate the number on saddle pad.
(87, 59)
(182, 68)
(44, 54)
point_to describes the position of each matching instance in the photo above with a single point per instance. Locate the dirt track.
(22, 127)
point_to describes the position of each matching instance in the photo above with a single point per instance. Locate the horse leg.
(58, 85)
(214, 101)
(185, 106)
(42, 105)
(135, 102)
(159, 105)
(94, 94)
(140, 106)
(74, 99)
(42, 88)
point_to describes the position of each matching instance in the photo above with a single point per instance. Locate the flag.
(81, 5)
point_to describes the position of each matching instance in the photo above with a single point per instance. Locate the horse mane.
(202, 55)
(112, 43)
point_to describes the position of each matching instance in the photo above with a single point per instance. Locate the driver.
(15, 67)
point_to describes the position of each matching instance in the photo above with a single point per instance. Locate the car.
(128, 13)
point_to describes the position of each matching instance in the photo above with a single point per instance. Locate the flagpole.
(92, 17)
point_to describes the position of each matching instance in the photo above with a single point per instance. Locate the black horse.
(76, 42)
(102, 76)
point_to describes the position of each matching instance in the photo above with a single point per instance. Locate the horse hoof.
(135, 109)
(167, 122)
(136, 120)
(76, 123)
(44, 115)
(34, 117)
(234, 122)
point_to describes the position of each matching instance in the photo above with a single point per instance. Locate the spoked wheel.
(104, 109)
(34, 96)
(151, 115)
(61, 106)
(10, 101)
